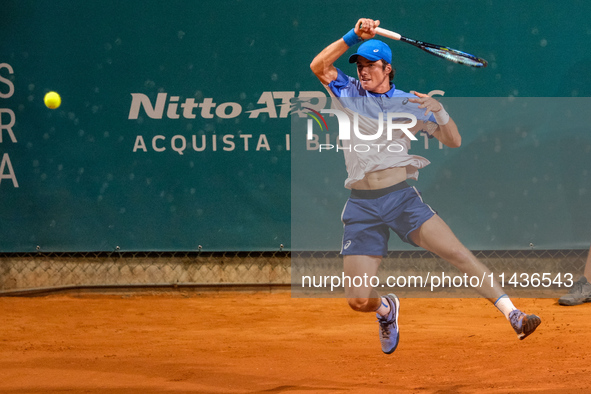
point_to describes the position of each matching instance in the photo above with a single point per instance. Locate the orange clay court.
(273, 343)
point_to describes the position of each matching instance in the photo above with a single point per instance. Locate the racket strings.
(456, 57)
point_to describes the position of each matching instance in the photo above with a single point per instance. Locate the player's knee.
(359, 304)
(457, 255)
(461, 258)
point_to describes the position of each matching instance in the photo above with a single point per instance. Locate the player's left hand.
(426, 101)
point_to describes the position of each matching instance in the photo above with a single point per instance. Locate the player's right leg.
(365, 242)
(365, 298)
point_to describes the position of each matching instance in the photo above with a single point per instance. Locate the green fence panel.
(173, 132)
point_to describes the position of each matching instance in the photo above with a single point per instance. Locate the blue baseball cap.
(373, 50)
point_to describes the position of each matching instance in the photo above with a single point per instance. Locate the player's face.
(373, 76)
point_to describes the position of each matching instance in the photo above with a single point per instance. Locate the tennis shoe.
(523, 324)
(579, 293)
(389, 334)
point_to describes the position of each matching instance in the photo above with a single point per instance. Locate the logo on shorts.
(347, 244)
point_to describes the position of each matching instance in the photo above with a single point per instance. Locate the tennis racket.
(453, 55)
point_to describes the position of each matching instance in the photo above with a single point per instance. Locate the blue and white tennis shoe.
(389, 333)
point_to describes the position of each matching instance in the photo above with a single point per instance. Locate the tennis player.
(380, 197)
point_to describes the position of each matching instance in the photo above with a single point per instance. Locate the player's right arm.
(323, 64)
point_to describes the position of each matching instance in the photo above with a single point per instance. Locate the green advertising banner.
(174, 128)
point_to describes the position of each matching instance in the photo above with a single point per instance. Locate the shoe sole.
(567, 302)
(529, 324)
(396, 302)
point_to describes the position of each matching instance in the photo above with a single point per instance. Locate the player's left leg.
(435, 236)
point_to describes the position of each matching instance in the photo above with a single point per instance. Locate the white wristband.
(441, 116)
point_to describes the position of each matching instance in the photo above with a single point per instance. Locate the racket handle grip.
(387, 33)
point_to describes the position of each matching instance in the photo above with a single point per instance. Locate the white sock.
(384, 308)
(505, 305)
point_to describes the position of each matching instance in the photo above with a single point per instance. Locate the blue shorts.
(369, 215)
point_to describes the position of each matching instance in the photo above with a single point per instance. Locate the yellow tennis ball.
(52, 100)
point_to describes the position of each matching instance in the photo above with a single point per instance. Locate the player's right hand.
(366, 28)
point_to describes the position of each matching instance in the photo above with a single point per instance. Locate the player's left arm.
(447, 130)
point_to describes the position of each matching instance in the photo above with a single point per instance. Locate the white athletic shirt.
(371, 154)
